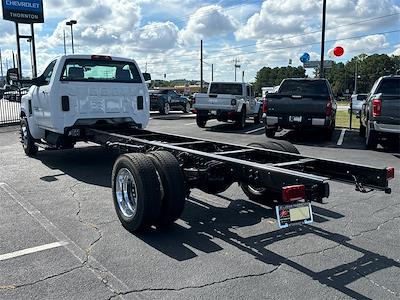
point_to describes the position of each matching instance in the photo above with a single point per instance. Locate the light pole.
(71, 23)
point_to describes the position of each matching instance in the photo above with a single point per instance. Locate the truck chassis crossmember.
(227, 163)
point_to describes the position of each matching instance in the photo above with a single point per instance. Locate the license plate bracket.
(290, 214)
(295, 119)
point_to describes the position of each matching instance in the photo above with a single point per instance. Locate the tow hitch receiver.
(294, 214)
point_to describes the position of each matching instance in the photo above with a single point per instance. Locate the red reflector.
(329, 109)
(389, 173)
(376, 107)
(293, 193)
(265, 105)
(101, 57)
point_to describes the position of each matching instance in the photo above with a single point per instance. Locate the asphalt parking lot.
(61, 239)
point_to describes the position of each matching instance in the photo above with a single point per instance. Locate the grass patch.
(343, 120)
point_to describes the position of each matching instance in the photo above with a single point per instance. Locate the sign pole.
(18, 51)
(34, 66)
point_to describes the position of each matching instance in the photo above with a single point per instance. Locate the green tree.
(267, 76)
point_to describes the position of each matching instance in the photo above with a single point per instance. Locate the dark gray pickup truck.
(380, 113)
(300, 103)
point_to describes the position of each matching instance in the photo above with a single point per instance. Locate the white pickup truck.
(76, 91)
(227, 101)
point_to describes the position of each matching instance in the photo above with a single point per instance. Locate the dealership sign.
(23, 11)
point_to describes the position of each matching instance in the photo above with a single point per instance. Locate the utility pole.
(321, 66)
(201, 66)
(236, 66)
(65, 48)
(243, 76)
(212, 72)
(355, 78)
(145, 68)
(1, 67)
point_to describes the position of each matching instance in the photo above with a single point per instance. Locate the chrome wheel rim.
(126, 193)
(187, 107)
(166, 108)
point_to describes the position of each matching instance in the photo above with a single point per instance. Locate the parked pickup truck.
(227, 101)
(300, 103)
(76, 91)
(380, 113)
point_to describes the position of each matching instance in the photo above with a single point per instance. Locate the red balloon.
(338, 51)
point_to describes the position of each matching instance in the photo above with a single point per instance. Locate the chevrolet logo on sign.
(23, 11)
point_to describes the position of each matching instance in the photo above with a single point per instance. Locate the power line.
(289, 47)
(295, 36)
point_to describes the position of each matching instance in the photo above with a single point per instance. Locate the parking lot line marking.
(255, 130)
(194, 123)
(95, 267)
(31, 250)
(341, 137)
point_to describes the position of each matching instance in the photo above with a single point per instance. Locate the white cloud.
(208, 21)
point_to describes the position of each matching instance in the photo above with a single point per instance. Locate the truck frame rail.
(205, 162)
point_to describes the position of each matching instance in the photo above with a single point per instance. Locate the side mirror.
(146, 76)
(12, 75)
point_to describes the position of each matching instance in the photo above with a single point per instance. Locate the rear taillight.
(376, 107)
(389, 173)
(233, 102)
(264, 106)
(328, 110)
(293, 193)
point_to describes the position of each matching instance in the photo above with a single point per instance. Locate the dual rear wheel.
(264, 195)
(148, 189)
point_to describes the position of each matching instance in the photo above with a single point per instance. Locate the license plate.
(294, 213)
(294, 118)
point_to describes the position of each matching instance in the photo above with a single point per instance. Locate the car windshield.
(361, 97)
(96, 70)
(226, 88)
(389, 86)
(304, 87)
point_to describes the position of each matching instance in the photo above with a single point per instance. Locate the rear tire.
(240, 122)
(270, 132)
(371, 138)
(165, 109)
(201, 121)
(328, 132)
(136, 191)
(28, 142)
(362, 130)
(257, 119)
(260, 194)
(173, 193)
(186, 108)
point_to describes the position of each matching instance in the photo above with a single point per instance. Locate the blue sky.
(166, 34)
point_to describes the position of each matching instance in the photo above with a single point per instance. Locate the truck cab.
(76, 91)
(227, 101)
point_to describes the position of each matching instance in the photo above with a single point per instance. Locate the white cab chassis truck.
(77, 91)
(227, 101)
(104, 100)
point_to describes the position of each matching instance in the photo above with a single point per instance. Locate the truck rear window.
(389, 86)
(100, 71)
(304, 87)
(226, 88)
